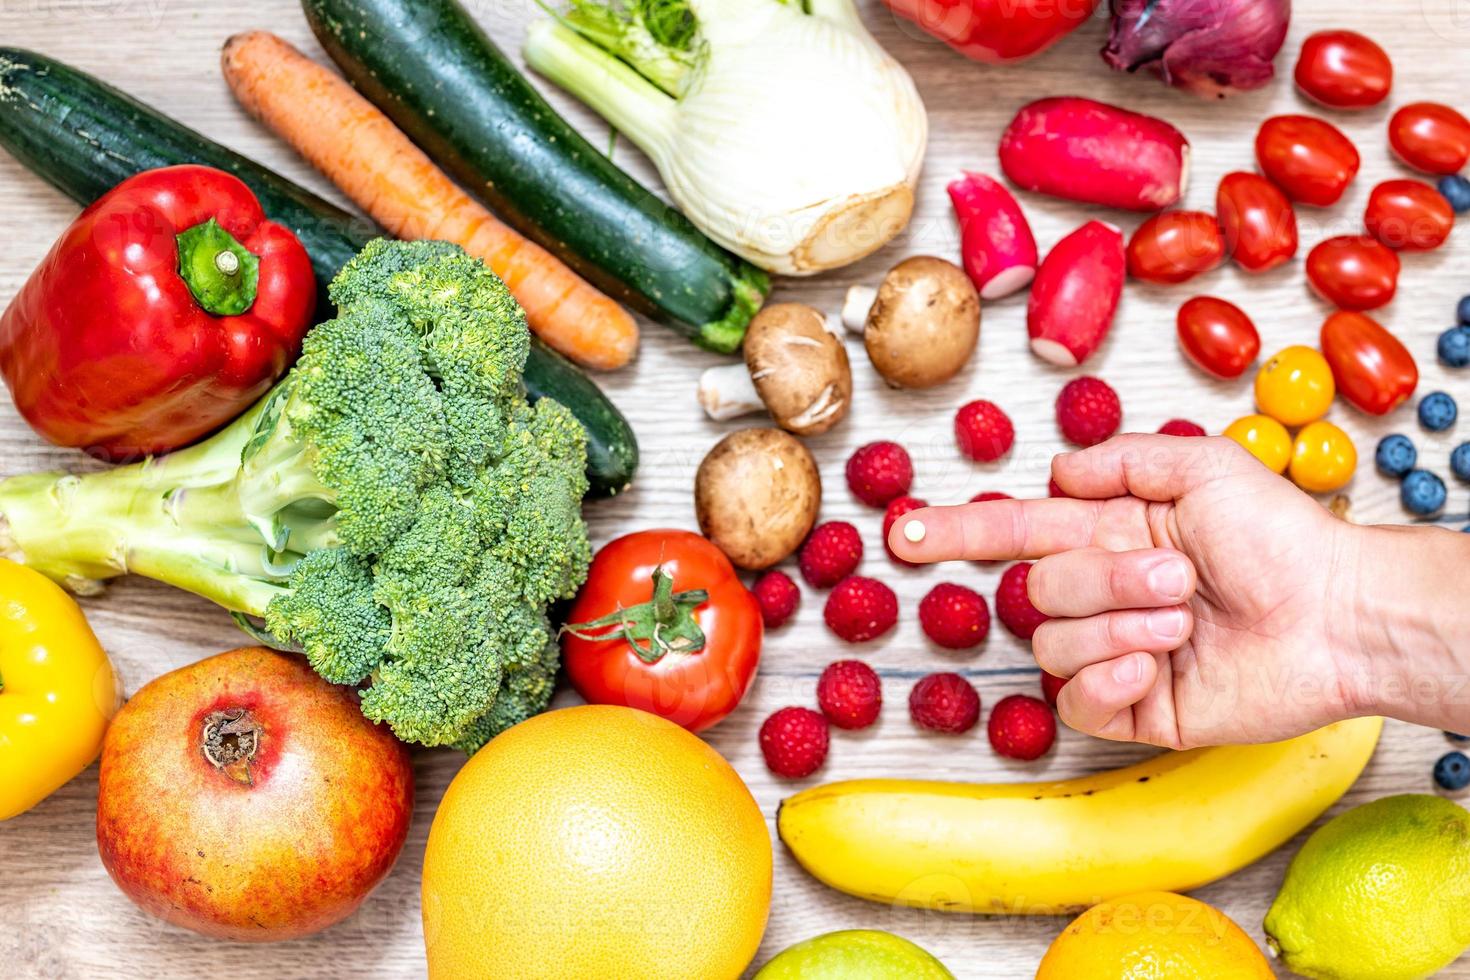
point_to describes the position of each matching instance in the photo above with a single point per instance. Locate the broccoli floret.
(394, 508)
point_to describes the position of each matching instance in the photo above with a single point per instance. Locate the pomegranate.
(246, 798)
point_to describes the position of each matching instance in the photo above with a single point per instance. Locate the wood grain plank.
(65, 919)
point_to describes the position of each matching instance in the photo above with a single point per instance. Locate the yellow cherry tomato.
(1264, 438)
(1323, 459)
(1295, 387)
(57, 690)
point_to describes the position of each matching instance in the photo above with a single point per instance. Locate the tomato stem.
(663, 625)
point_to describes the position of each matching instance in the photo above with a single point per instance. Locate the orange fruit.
(1153, 936)
(596, 841)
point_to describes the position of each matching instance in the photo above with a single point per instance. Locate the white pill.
(914, 531)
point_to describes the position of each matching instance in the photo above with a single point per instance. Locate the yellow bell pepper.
(57, 689)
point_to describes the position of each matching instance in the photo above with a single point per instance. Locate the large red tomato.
(665, 625)
(1217, 336)
(1308, 158)
(1175, 246)
(1409, 215)
(997, 31)
(1257, 220)
(1430, 137)
(1371, 368)
(1353, 272)
(1344, 70)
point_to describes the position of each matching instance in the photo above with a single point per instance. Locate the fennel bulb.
(782, 130)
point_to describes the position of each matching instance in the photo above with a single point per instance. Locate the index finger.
(995, 530)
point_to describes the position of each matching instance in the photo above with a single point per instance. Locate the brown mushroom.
(921, 325)
(795, 367)
(756, 496)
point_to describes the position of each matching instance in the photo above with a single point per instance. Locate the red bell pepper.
(165, 310)
(997, 31)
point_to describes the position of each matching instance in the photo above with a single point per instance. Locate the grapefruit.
(596, 841)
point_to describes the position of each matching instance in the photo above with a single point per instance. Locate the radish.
(996, 243)
(1089, 151)
(1076, 294)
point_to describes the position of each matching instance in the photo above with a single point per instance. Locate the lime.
(857, 954)
(1378, 893)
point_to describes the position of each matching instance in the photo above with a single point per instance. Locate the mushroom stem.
(855, 307)
(727, 392)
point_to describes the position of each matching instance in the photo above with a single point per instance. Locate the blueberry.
(1452, 772)
(1423, 493)
(1456, 737)
(1454, 347)
(1463, 310)
(1460, 461)
(1437, 411)
(1456, 190)
(1396, 456)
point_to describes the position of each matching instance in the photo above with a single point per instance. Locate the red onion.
(1208, 47)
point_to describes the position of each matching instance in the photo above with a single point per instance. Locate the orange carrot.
(361, 151)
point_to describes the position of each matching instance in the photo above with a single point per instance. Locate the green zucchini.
(433, 70)
(85, 137)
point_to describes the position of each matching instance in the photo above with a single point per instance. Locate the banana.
(1172, 823)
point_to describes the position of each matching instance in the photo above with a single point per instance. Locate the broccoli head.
(394, 508)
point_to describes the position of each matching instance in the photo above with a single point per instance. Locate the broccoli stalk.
(393, 508)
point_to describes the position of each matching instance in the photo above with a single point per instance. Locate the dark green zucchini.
(429, 66)
(84, 136)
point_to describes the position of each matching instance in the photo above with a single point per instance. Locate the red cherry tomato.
(1175, 246)
(1257, 221)
(1344, 70)
(1430, 137)
(1217, 336)
(1371, 368)
(624, 650)
(1409, 215)
(1353, 272)
(1308, 158)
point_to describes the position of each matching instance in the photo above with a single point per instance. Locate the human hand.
(1199, 598)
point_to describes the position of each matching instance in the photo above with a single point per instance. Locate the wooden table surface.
(63, 917)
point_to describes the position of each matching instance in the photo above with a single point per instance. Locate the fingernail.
(914, 531)
(1169, 579)
(1166, 624)
(1129, 670)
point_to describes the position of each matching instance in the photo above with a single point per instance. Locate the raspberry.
(954, 617)
(831, 553)
(1021, 727)
(861, 609)
(794, 742)
(850, 694)
(1054, 489)
(1088, 411)
(778, 597)
(879, 472)
(1181, 427)
(984, 432)
(944, 703)
(897, 507)
(1051, 686)
(1012, 606)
